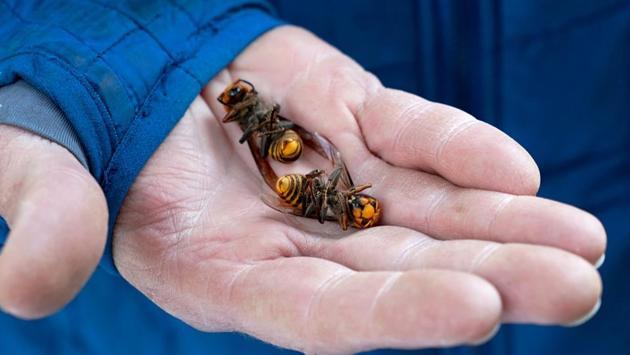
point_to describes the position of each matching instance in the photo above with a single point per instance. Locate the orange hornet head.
(236, 92)
(365, 209)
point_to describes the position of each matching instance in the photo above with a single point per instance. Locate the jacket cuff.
(124, 74)
(23, 106)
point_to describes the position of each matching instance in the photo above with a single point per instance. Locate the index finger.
(412, 132)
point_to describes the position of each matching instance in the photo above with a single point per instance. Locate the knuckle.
(449, 135)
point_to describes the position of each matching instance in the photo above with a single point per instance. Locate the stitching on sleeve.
(150, 95)
(60, 62)
(12, 10)
(141, 112)
(110, 169)
(44, 52)
(186, 13)
(150, 34)
(130, 93)
(178, 64)
(213, 26)
(120, 40)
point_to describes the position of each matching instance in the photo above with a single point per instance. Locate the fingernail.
(600, 261)
(588, 316)
(490, 335)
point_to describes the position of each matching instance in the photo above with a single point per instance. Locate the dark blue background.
(555, 75)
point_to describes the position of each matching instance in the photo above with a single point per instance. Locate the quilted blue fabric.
(123, 72)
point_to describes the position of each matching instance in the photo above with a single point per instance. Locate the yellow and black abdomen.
(291, 189)
(287, 147)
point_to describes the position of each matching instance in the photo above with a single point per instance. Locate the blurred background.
(555, 75)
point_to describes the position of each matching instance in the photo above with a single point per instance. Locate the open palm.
(195, 237)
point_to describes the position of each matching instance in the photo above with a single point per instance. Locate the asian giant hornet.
(257, 117)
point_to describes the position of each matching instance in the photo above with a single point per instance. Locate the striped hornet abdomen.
(292, 188)
(286, 148)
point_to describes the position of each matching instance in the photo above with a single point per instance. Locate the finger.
(321, 307)
(57, 216)
(409, 131)
(537, 284)
(433, 206)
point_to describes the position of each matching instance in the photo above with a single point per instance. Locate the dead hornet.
(277, 135)
(331, 197)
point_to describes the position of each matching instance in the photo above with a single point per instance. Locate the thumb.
(57, 217)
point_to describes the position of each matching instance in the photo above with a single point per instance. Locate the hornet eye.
(235, 91)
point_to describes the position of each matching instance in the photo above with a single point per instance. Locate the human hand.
(194, 236)
(464, 248)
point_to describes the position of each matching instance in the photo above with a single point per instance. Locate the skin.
(465, 244)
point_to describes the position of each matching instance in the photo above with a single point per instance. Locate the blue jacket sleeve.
(123, 72)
